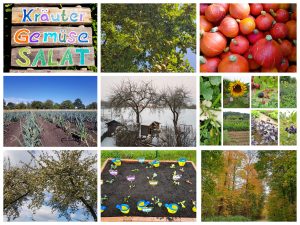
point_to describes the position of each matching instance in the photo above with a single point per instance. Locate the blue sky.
(57, 88)
(45, 214)
(191, 57)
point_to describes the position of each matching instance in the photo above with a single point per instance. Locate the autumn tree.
(212, 165)
(175, 99)
(279, 171)
(133, 95)
(147, 37)
(235, 188)
(69, 176)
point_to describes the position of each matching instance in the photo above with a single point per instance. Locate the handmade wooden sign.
(50, 36)
(51, 15)
(52, 57)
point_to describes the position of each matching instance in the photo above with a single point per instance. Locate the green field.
(149, 154)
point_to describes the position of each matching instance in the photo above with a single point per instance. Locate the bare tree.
(136, 96)
(175, 99)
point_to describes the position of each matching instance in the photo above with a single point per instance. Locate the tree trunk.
(177, 131)
(14, 201)
(137, 117)
(90, 208)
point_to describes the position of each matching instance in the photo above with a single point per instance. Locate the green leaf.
(206, 90)
(215, 80)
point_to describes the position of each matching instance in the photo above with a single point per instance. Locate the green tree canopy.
(78, 104)
(279, 170)
(67, 104)
(10, 105)
(21, 106)
(93, 105)
(48, 104)
(37, 105)
(147, 37)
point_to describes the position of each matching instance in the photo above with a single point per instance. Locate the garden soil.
(51, 136)
(13, 135)
(166, 191)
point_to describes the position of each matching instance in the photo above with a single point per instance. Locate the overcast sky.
(243, 78)
(16, 156)
(45, 212)
(107, 83)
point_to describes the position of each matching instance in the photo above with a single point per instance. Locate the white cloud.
(42, 214)
(17, 100)
(242, 78)
(16, 156)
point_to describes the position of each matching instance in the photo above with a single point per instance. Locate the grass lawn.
(190, 155)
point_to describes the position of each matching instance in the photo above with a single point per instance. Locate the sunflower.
(237, 88)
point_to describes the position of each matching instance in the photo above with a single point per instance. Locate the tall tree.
(93, 105)
(279, 171)
(67, 104)
(235, 188)
(36, 105)
(175, 99)
(147, 37)
(21, 105)
(212, 165)
(48, 104)
(133, 95)
(78, 104)
(70, 178)
(10, 105)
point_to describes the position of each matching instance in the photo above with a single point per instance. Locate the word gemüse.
(25, 36)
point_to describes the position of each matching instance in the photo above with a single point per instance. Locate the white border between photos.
(197, 148)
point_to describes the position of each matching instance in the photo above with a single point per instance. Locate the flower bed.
(172, 188)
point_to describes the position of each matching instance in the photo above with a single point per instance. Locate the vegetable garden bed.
(165, 192)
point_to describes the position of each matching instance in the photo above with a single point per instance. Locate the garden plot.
(50, 128)
(288, 92)
(154, 112)
(264, 91)
(137, 180)
(186, 120)
(236, 128)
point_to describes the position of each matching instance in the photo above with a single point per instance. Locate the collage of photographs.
(110, 108)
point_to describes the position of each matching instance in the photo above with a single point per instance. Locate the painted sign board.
(51, 16)
(51, 36)
(52, 57)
